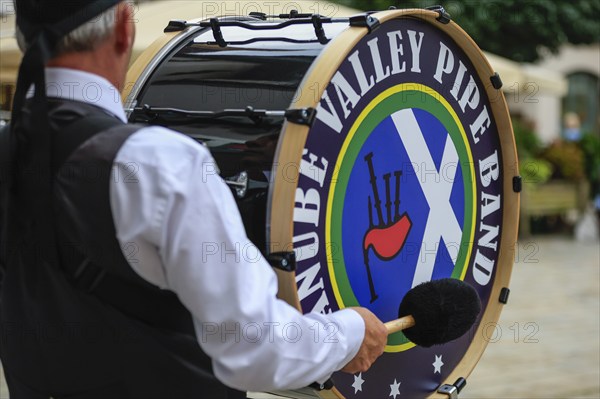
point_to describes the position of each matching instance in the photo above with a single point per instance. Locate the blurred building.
(560, 86)
(542, 93)
(581, 67)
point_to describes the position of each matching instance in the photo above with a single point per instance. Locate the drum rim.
(293, 139)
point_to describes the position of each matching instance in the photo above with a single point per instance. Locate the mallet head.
(443, 310)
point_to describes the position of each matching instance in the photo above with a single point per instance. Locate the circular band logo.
(401, 182)
(401, 203)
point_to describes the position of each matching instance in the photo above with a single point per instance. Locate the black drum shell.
(199, 75)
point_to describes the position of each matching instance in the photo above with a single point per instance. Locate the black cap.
(44, 23)
(57, 18)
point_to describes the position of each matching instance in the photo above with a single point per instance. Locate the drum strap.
(4, 174)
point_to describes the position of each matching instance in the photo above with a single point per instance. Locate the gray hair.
(85, 38)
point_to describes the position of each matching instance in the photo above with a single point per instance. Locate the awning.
(152, 17)
(520, 77)
(547, 80)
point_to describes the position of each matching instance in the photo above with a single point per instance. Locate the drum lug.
(504, 294)
(517, 184)
(443, 16)
(365, 21)
(496, 81)
(176, 25)
(301, 116)
(239, 183)
(327, 385)
(452, 391)
(285, 261)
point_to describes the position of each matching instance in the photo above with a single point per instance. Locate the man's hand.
(372, 346)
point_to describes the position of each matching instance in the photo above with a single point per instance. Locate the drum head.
(405, 176)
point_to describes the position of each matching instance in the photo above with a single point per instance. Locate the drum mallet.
(437, 312)
(433, 313)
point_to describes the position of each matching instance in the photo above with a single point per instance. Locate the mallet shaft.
(400, 324)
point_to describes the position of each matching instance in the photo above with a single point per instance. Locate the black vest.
(93, 327)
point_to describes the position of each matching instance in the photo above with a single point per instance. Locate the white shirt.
(169, 204)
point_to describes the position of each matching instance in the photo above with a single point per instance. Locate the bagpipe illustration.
(388, 237)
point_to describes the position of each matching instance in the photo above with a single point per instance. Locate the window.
(583, 99)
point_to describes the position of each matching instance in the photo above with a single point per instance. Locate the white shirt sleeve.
(170, 205)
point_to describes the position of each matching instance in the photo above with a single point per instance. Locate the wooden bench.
(556, 197)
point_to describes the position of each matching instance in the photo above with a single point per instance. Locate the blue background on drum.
(393, 278)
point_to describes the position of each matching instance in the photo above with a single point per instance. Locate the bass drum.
(367, 155)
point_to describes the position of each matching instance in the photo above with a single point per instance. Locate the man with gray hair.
(80, 316)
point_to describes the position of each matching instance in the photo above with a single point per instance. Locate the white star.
(437, 365)
(395, 389)
(358, 381)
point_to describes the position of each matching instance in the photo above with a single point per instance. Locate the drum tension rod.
(452, 391)
(293, 14)
(255, 115)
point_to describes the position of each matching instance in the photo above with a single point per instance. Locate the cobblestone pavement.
(547, 342)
